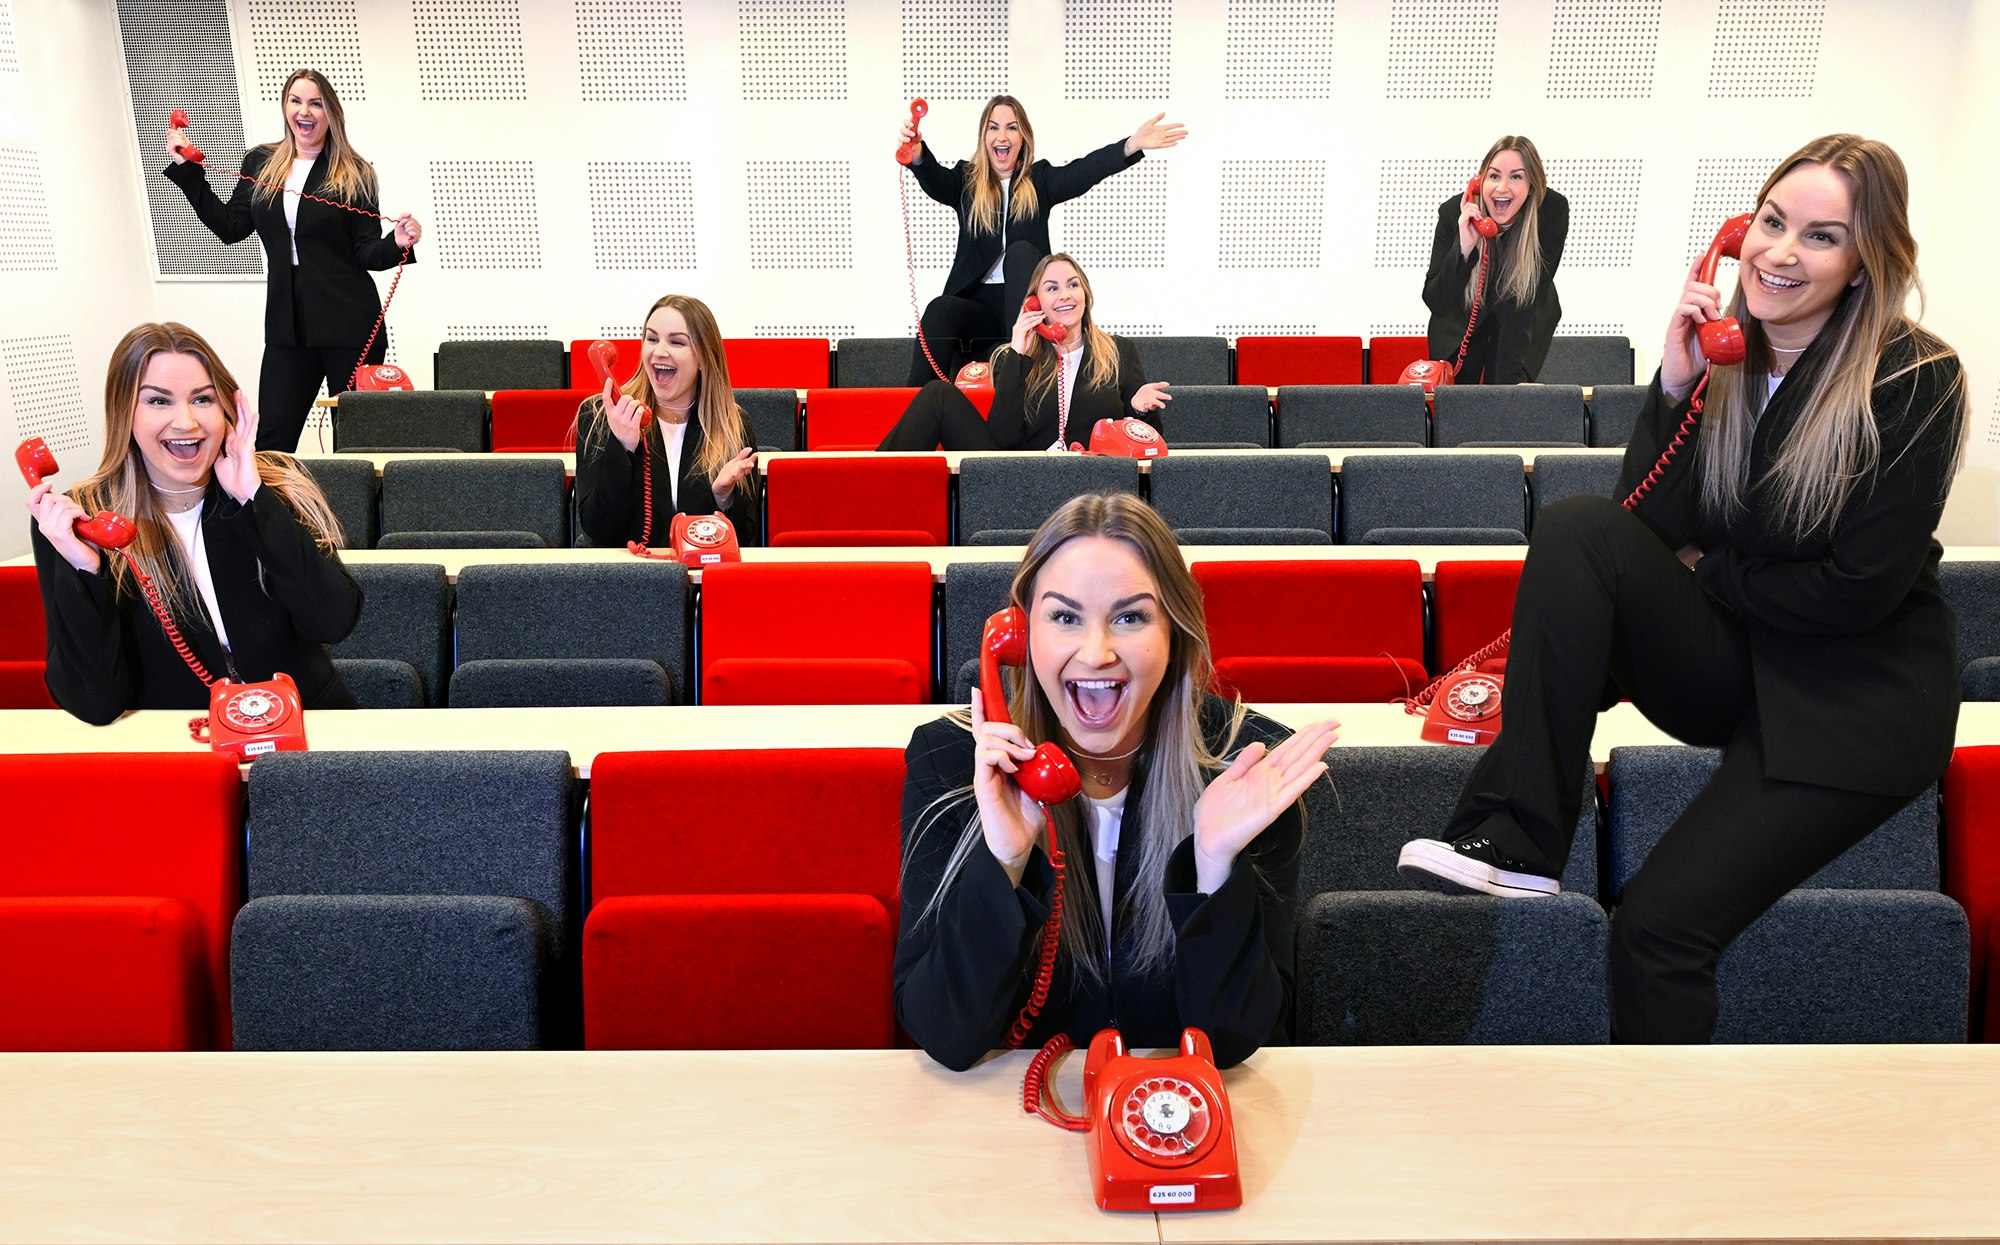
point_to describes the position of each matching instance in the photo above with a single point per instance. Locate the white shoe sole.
(1435, 865)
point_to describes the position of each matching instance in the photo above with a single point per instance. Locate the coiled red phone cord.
(1045, 969)
(1472, 317)
(910, 267)
(1035, 1098)
(1422, 700)
(156, 599)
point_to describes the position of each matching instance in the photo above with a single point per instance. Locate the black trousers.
(952, 322)
(941, 417)
(1605, 609)
(290, 379)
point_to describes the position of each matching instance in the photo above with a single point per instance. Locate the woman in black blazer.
(1774, 594)
(321, 303)
(1046, 396)
(241, 545)
(1003, 196)
(698, 456)
(1518, 308)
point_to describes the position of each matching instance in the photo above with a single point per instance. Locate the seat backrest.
(351, 489)
(1352, 415)
(405, 616)
(449, 419)
(1580, 360)
(808, 612)
(1556, 476)
(497, 494)
(1219, 415)
(1510, 415)
(1472, 603)
(537, 419)
(891, 500)
(526, 363)
(1972, 589)
(773, 415)
(1651, 785)
(973, 592)
(778, 362)
(1362, 607)
(1184, 360)
(1613, 411)
(1011, 496)
(853, 419)
(1432, 490)
(548, 682)
(636, 608)
(1275, 361)
(1388, 356)
(1972, 869)
(872, 362)
(583, 375)
(1246, 491)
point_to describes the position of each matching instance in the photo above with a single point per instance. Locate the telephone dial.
(1484, 226)
(1124, 438)
(1466, 709)
(1428, 374)
(1046, 330)
(906, 153)
(248, 719)
(703, 540)
(382, 377)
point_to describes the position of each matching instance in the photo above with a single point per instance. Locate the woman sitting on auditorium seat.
(1517, 305)
(699, 451)
(1179, 891)
(240, 544)
(1045, 394)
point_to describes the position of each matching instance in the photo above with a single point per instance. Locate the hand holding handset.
(188, 151)
(248, 719)
(906, 153)
(1048, 777)
(604, 361)
(1722, 340)
(1483, 225)
(1047, 330)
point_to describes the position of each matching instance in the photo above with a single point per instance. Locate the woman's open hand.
(1248, 796)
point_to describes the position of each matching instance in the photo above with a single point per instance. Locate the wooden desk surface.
(1368, 1144)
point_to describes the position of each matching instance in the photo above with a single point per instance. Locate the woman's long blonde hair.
(1175, 760)
(1516, 265)
(349, 178)
(724, 429)
(1838, 440)
(1100, 352)
(985, 183)
(122, 483)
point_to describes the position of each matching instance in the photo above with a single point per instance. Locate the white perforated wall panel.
(1724, 188)
(10, 53)
(469, 49)
(1768, 49)
(832, 332)
(1604, 49)
(1442, 49)
(1118, 49)
(27, 243)
(1604, 197)
(790, 50)
(1273, 213)
(484, 214)
(801, 213)
(1233, 329)
(498, 332)
(1279, 49)
(631, 50)
(1122, 223)
(642, 214)
(43, 388)
(954, 49)
(1406, 207)
(1397, 328)
(286, 35)
(1584, 328)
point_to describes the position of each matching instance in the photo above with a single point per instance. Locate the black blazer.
(963, 973)
(282, 600)
(1019, 423)
(1054, 183)
(1852, 647)
(337, 302)
(611, 484)
(1516, 336)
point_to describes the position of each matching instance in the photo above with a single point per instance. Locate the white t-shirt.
(993, 275)
(295, 186)
(1107, 819)
(674, 435)
(187, 526)
(1072, 363)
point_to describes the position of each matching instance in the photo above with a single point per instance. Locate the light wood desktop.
(1335, 1144)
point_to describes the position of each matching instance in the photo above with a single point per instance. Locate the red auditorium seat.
(1315, 631)
(1388, 356)
(852, 419)
(778, 362)
(536, 420)
(816, 633)
(116, 901)
(1972, 871)
(583, 376)
(24, 641)
(1273, 361)
(890, 500)
(742, 899)
(1472, 603)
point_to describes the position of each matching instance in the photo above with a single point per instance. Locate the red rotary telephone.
(1046, 330)
(1466, 709)
(906, 153)
(1428, 374)
(703, 540)
(179, 121)
(1722, 340)
(382, 377)
(1161, 1137)
(248, 719)
(1124, 438)
(1484, 226)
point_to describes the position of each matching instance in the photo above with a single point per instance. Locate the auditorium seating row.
(867, 362)
(1198, 417)
(1272, 497)
(457, 900)
(631, 633)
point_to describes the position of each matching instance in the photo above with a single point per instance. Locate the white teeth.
(1097, 684)
(1778, 283)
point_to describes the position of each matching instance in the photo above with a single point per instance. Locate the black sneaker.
(1471, 864)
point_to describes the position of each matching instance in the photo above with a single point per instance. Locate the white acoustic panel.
(1588, 328)
(1993, 419)
(470, 49)
(499, 332)
(484, 214)
(1723, 187)
(46, 391)
(642, 214)
(1273, 213)
(1119, 50)
(954, 49)
(801, 213)
(1238, 329)
(1769, 49)
(1134, 328)
(27, 243)
(1603, 199)
(832, 332)
(1400, 328)
(790, 50)
(1407, 196)
(1278, 49)
(1442, 49)
(1604, 49)
(933, 227)
(631, 50)
(1121, 223)
(286, 35)
(10, 52)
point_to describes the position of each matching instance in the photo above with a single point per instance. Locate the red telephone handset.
(1722, 340)
(107, 530)
(179, 121)
(1124, 438)
(1048, 777)
(703, 540)
(604, 361)
(381, 378)
(1048, 331)
(906, 153)
(1484, 226)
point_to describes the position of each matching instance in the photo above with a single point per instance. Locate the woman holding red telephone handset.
(1773, 594)
(242, 546)
(1052, 382)
(1180, 872)
(1497, 249)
